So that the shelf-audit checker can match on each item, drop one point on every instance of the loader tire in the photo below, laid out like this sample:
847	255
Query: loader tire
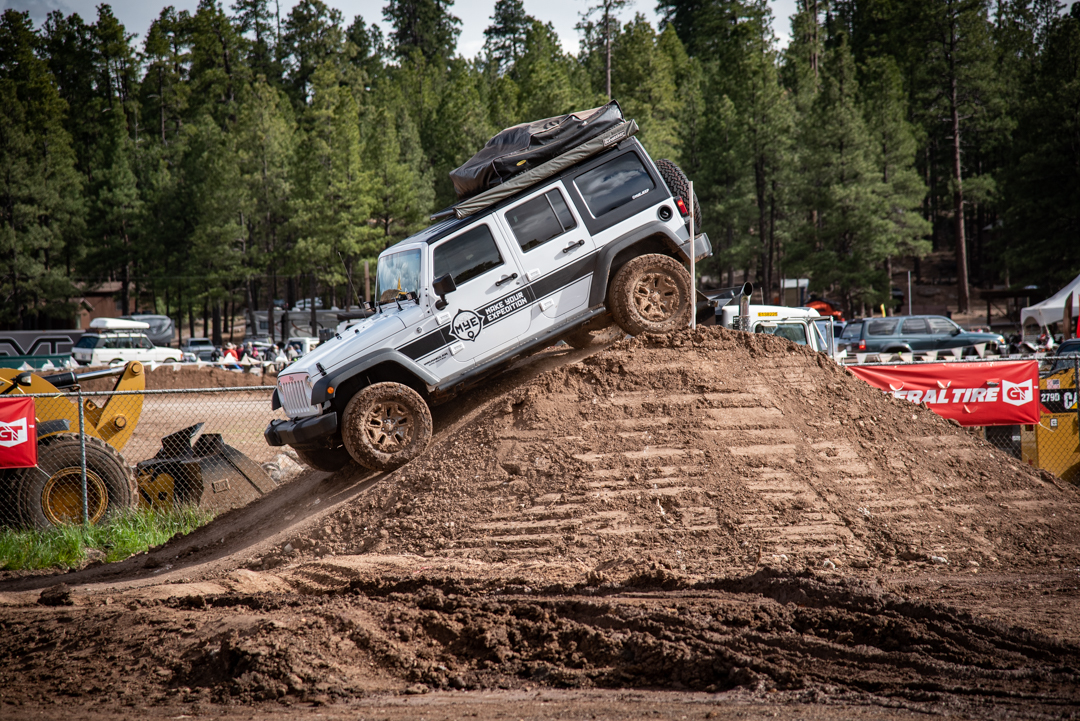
322	458
651	294
679	185
386	425
51	493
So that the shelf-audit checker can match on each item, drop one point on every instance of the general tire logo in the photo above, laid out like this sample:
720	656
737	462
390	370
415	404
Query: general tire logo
466	325
1016	394
13	433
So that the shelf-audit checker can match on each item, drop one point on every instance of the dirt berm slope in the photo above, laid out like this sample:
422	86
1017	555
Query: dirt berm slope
704	452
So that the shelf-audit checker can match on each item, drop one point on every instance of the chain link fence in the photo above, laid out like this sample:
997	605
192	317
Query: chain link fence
1054	443
101	452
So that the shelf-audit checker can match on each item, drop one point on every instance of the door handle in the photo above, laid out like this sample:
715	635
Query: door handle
570	247
505	279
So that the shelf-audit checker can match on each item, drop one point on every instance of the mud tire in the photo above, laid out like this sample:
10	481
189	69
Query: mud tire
651	294
386	425
323	458
679	185
50	494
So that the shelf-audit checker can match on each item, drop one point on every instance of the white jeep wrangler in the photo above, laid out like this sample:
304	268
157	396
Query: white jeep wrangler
597	239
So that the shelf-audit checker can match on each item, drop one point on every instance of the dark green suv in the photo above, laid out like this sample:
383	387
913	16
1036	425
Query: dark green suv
914	333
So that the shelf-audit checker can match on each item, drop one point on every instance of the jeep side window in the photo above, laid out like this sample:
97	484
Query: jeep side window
613	184
467	256
540	219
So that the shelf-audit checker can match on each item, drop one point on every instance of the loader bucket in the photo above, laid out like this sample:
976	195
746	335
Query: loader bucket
209	474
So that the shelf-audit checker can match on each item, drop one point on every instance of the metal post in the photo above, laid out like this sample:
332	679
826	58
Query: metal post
693	272
908	292
82	457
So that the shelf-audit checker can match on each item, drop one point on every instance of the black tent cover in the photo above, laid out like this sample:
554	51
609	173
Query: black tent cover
528	145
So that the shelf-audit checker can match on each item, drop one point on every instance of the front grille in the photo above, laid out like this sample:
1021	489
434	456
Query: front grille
296	396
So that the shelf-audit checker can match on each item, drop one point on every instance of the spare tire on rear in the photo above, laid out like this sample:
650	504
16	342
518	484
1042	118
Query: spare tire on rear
679	185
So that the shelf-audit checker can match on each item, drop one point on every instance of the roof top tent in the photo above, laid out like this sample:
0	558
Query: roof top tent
118	324
525	154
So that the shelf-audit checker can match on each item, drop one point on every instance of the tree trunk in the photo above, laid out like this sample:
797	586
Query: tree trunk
217	323
314	319
206	318
962	293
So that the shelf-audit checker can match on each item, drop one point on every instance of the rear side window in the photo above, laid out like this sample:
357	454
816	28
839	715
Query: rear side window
467	256
914	326
941	326
851	330
614	184
881	326
90	341
540	219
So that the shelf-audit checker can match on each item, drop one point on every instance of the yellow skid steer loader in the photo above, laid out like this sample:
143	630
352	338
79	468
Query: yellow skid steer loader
50	494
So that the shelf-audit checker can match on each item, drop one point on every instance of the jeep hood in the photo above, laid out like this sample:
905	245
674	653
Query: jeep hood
357	339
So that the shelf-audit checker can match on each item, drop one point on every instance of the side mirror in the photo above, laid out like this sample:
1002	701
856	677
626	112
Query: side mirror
443	284
956	331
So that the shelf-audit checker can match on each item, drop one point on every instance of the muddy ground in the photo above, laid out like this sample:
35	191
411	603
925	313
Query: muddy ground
709	526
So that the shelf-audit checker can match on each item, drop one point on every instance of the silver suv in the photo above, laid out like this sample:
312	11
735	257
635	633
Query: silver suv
603	240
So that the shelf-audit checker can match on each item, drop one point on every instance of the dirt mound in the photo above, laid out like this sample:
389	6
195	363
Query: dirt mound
188	376
705	452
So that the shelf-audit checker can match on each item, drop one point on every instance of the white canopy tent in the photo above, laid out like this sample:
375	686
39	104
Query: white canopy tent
1052	310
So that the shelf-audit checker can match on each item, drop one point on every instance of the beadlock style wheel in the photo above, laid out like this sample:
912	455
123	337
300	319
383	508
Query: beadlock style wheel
386	425
651	294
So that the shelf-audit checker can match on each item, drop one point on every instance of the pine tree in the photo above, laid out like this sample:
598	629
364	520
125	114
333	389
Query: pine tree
403	192
504	39
424	26
849	226
646	89
602	31
313	36
40	191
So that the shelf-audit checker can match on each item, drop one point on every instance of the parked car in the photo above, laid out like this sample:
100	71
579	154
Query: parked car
305	304
112	340
905	334
1070	349
201	348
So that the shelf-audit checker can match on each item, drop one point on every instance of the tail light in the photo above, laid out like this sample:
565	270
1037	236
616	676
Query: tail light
862	345
681	205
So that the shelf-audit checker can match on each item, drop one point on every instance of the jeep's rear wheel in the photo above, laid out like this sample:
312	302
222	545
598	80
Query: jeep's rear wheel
651	294
679	185
386	425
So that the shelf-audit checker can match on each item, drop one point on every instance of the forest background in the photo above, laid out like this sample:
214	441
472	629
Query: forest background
235	156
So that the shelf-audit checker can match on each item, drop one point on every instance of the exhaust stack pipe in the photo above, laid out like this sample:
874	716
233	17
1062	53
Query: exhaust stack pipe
744	306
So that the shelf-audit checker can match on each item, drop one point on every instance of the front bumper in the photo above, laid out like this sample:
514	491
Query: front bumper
300	431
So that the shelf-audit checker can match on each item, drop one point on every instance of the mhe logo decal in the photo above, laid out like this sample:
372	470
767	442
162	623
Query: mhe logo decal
13	433
1016	394
466	325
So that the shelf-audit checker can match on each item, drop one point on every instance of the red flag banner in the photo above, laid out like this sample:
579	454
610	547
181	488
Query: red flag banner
975	394
18	433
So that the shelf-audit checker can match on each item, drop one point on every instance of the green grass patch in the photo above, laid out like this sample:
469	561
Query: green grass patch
125	533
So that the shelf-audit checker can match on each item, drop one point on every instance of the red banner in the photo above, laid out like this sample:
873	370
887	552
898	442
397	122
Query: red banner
18	433
975	394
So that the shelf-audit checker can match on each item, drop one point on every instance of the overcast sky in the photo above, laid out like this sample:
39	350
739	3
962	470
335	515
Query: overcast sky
136	15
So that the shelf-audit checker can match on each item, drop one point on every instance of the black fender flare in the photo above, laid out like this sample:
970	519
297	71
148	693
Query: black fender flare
898	349
604	259
337	377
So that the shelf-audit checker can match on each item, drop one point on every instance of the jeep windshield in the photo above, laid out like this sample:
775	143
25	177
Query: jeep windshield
397	274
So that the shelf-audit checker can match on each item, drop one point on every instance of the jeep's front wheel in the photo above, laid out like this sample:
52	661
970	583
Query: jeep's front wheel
651	294
386	425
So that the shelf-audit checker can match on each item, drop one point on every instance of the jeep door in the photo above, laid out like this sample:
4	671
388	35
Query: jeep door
556	251
489	309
